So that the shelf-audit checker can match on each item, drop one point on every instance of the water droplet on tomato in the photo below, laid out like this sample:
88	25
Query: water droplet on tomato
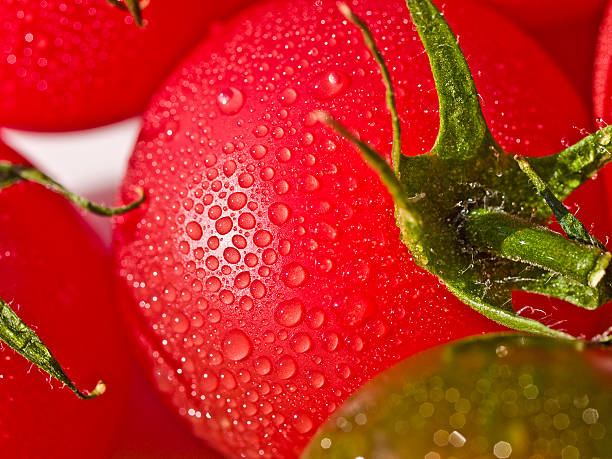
289	96
352	309
278	213
231	255
180	324
302	423
309	183
301	343
236	201
230	101
289	313
286	367
294	275
284	155
236	345
242	280
258	151
330	84
317	379
224	225
194	230
246	220
262	238
209	381
262	365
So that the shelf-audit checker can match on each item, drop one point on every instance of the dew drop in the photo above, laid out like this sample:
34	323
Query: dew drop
309	183
214	212
231	255
236	345
245	180
236	201
257	289
317	379
289	313
278	213
269	256
262	238
194	230
302	423
209	381
242	280
315	318
289	96
180	324
230	101
352	310
301	343
284	155
330	84
294	275
261	130
258	151
227	380
223	225
246	220
286	367
262	365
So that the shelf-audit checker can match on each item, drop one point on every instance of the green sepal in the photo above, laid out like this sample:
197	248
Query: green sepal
23	340
463	133
13	173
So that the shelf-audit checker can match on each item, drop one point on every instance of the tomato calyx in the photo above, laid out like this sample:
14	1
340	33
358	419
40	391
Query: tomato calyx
13	331
467	210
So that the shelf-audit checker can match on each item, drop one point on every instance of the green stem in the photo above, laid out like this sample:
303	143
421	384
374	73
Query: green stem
16	334
13	173
514	239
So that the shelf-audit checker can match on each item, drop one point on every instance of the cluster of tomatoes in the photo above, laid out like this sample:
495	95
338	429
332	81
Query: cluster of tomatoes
263	281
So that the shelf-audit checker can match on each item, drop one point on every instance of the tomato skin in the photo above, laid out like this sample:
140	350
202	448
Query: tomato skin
71	64
265	270
602	79
564	28
56	276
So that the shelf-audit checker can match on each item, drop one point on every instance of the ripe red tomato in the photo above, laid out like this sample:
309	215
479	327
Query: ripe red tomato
265	276
56	276
70	64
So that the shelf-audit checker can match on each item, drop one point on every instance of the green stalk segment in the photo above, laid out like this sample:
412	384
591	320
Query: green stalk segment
21	338
515	239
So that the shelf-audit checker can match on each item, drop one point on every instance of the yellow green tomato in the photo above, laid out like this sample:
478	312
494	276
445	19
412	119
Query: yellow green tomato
500	396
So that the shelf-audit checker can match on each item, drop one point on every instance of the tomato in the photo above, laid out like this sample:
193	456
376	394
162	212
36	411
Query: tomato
566	29
265	277
501	396
56	276
70	64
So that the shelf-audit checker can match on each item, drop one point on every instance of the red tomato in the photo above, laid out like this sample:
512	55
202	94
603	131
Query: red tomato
566	29
70	64
602	79
56	276
266	278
